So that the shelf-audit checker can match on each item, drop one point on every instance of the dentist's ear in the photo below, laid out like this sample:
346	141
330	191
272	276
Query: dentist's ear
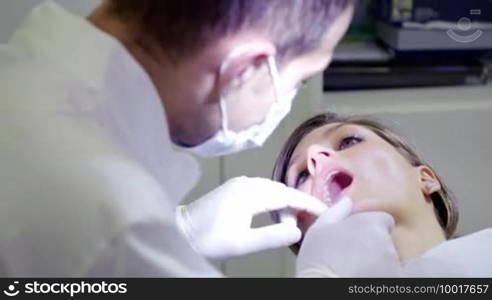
242	62
429	183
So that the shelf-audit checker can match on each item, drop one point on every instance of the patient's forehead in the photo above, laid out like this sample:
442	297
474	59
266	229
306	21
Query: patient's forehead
322	132
325	132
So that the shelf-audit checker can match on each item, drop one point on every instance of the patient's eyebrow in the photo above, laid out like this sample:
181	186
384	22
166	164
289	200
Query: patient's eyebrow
331	130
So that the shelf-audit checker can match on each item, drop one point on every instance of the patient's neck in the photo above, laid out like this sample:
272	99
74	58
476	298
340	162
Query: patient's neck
413	238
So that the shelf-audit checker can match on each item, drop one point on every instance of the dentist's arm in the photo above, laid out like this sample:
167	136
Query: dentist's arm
218	225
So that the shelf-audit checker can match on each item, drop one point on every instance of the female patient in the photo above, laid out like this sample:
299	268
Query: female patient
330	157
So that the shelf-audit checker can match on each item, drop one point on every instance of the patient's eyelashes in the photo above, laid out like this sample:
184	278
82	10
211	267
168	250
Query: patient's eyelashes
301	178
349	141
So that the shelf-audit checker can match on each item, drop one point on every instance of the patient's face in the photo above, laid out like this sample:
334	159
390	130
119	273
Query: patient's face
350	160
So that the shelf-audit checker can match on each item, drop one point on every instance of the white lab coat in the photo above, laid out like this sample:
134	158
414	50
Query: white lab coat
88	175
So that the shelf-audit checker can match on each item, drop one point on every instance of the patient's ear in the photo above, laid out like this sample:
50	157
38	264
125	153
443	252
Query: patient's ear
429	183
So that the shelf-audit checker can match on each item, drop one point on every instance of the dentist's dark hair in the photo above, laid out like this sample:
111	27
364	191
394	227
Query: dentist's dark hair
444	202
181	27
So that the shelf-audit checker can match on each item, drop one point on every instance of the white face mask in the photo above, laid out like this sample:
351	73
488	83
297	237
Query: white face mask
226	141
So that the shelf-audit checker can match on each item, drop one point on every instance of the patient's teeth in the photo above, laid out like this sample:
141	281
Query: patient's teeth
326	195
326	191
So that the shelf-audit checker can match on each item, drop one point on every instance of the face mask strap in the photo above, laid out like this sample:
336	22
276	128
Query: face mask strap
272	66
223	112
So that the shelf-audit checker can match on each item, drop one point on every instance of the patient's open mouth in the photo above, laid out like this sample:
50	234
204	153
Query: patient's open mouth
336	182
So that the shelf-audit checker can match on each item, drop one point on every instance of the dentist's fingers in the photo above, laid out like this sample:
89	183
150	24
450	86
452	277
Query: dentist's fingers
274	196
304	202
294	200
336	213
290	198
382	219
288	216
275	236
337	247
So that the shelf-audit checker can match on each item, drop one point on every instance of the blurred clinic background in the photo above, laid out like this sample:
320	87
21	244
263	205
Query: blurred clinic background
420	66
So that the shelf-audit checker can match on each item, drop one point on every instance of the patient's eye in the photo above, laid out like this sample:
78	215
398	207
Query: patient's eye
349	142
301	178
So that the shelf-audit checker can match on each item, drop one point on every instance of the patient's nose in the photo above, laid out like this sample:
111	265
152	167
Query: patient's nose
317	157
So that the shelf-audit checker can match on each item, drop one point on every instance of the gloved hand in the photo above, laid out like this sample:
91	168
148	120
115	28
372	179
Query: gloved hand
358	246
361	246
218	225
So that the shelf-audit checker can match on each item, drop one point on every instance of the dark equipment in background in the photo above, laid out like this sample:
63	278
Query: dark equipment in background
414	43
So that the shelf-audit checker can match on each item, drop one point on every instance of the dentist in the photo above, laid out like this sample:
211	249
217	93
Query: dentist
97	114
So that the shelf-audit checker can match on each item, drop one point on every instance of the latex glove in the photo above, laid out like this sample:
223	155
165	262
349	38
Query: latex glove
218	225
358	246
